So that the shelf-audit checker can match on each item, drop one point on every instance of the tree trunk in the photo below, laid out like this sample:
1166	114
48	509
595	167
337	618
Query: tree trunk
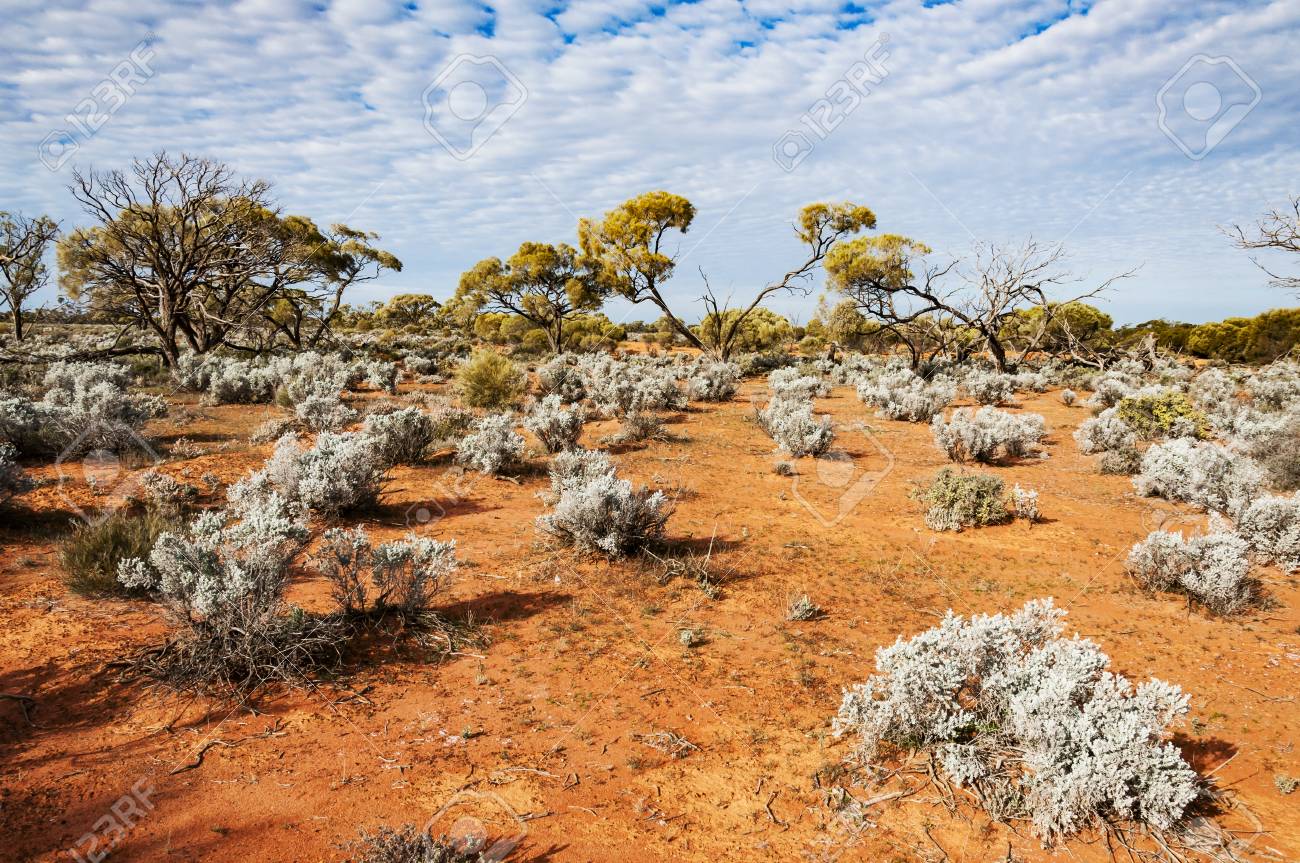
18	322
999	353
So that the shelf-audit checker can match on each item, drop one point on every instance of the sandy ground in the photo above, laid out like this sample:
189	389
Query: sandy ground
542	732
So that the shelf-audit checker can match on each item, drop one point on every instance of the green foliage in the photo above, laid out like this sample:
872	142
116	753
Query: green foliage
1260	339
1078	321
405	310
489	380
959	499
1160	416
91	554
761	330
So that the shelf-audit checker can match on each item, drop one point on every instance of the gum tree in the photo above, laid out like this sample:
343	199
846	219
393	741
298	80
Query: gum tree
23	243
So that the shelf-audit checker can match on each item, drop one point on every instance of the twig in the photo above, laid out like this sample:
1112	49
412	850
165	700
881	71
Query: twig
768	807
25	703
1266	697
273	731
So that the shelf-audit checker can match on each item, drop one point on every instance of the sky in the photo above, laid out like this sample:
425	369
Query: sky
1128	130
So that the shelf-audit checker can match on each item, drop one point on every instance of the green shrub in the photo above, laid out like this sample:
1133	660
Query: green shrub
91	554
489	380
1169	414
959	500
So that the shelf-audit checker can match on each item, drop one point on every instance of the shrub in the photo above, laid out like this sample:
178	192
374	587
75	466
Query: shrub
489	380
752	365
989	388
1212	569
493	446
638	426
1104	432
901	395
1109	390
791	384
320	412
402	436
1271	525
1122	462
791	424
450	423
1167	414
1068	397
1275	387
597	511
802	608
714	382
342	471
1205	474
1024	503
986	434
619	388
271	430
960	500
410	845
382	376
556	426
1275	451
222	579
91	555
404	576
12	478
1035	723
559	377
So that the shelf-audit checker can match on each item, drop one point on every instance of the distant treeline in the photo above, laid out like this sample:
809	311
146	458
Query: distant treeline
1260	339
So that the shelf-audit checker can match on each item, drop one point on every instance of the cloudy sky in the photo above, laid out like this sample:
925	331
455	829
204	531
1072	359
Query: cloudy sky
459	129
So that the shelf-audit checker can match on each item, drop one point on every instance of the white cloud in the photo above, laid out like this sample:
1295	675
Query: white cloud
998	119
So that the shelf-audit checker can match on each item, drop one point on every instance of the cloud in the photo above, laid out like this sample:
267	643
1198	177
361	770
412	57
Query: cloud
997	121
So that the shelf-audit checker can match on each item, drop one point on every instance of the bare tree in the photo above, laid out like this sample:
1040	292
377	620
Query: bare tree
880	275
1278	230
23	243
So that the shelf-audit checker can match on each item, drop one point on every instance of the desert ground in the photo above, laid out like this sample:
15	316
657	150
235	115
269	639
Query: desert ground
548	728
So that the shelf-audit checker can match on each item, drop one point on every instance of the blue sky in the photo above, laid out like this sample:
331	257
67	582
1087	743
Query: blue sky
982	121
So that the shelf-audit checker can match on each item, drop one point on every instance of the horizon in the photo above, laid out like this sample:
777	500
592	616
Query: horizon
979	121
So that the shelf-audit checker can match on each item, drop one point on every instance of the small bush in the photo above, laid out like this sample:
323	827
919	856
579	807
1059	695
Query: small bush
1068	397
91	555
901	395
556	426
990	388
396	576
1120	462
341	472
402	436
1034	723
1211	569
1277	452
1271	525
714	382
1104	433
489	380
411	845
320	412
493	446
559	377
1024	503
987	434
1168	414
1205	474
961	500
802	608
638	426
791	424
597	511
791	384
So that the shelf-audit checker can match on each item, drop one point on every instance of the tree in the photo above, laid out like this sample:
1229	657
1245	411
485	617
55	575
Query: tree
761	330
1278	230
1057	327
404	310
880	274
188	253
626	250
544	284
819	226
23	243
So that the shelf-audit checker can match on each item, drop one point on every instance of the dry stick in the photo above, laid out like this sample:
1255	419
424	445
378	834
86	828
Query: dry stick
25	703
203	750
1284	698
935	842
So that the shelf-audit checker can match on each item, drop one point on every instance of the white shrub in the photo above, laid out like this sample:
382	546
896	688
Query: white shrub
1275	387
1201	473
989	387
382	376
493	446
1068	397
1110	389
560	377
791	384
619	388
404	576
1103	433
342	471
1212	568
596	510
901	395
228	566
402	436
324	412
713	382
986	434
1024	503
556	426
1271	525
1036	722
790	423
